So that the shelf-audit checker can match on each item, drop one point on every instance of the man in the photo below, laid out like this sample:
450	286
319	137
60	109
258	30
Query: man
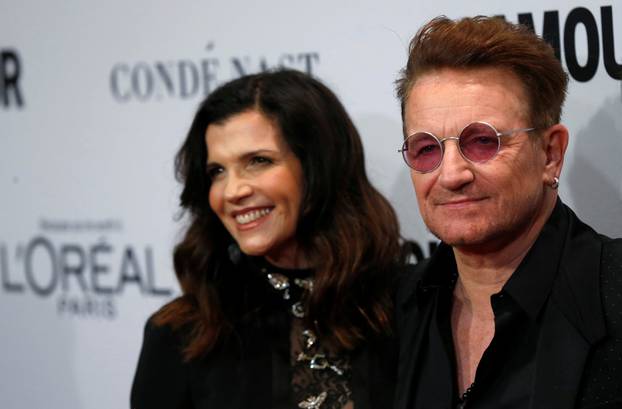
521	304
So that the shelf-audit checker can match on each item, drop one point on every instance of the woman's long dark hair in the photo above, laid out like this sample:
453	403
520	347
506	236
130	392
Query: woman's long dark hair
347	227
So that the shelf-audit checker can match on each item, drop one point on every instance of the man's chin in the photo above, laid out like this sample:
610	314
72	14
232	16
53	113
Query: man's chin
461	238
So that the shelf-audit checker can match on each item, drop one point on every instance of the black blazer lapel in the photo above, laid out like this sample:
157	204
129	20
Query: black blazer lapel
561	357
573	320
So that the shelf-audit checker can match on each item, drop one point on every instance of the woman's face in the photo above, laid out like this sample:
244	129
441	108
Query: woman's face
256	186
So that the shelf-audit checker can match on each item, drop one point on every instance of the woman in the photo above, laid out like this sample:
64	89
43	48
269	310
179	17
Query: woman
287	264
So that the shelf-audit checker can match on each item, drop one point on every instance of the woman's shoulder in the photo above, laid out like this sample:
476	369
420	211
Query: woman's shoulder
161	336
161	374
164	328
162	344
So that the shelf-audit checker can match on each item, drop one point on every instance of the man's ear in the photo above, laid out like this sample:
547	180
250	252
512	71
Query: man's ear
554	143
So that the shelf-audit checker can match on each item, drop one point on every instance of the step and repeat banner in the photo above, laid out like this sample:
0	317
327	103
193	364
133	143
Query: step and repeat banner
96	97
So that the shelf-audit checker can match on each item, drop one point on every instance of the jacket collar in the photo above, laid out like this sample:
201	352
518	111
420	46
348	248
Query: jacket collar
577	288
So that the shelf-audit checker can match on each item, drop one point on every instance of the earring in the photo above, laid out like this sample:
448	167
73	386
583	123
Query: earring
555	183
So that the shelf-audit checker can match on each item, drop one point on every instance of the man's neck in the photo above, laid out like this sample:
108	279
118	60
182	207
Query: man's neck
484	273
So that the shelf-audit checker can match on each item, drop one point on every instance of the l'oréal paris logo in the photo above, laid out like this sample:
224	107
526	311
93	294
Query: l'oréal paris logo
85	265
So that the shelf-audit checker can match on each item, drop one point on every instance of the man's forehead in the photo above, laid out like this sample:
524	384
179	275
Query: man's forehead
457	97
449	118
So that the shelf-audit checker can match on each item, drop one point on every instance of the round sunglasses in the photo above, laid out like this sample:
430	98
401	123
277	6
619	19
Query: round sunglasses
478	142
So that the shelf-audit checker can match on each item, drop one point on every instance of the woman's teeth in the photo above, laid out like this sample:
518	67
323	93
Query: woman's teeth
251	216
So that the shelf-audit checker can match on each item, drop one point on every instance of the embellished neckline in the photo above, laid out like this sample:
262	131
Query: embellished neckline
286	282
294	287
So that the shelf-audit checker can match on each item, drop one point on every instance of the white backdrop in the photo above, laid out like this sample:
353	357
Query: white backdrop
96	97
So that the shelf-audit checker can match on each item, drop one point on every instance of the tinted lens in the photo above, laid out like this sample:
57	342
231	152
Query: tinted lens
479	142
422	152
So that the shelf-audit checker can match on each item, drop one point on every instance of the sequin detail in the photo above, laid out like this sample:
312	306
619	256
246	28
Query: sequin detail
320	377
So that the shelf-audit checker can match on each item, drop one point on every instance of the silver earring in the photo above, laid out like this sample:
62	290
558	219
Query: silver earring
555	183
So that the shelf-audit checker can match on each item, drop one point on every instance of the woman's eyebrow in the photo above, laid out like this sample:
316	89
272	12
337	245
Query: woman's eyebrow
247	155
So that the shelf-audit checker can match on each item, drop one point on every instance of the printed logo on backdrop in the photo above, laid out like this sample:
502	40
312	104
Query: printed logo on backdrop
84	266
582	26
146	81
10	72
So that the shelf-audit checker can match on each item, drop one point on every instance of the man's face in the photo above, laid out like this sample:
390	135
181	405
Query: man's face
477	206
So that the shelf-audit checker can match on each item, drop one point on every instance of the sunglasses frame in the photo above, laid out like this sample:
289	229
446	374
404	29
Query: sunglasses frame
441	141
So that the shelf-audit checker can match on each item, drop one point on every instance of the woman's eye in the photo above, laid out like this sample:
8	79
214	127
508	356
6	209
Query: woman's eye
214	171
260	160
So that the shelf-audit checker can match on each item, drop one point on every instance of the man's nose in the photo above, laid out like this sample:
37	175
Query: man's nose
455	170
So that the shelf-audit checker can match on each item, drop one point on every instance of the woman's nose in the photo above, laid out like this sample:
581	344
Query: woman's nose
237	188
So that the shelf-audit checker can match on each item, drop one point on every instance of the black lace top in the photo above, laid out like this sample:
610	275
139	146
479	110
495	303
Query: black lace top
320	376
